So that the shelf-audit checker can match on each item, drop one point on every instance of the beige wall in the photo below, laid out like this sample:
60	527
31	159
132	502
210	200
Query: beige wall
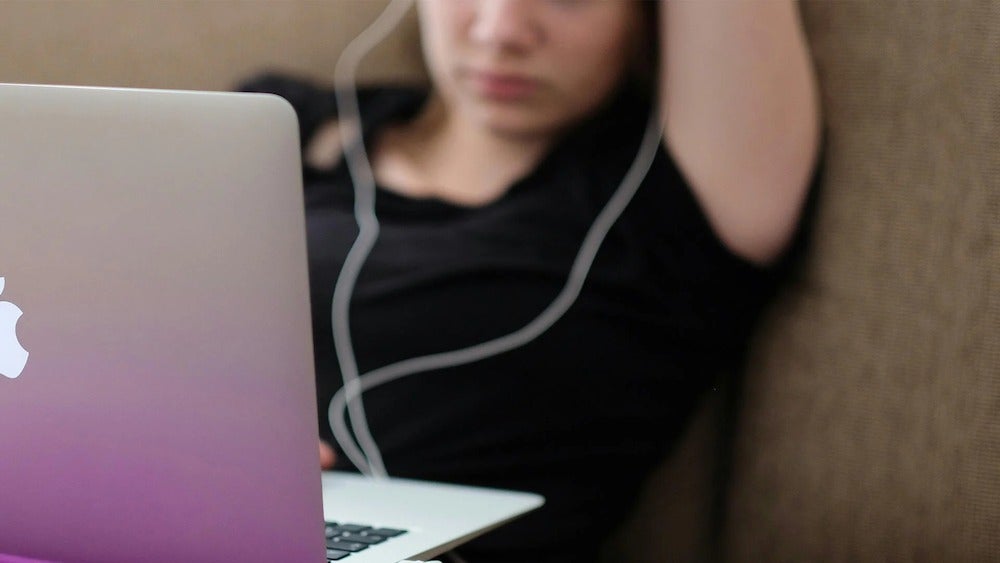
191	44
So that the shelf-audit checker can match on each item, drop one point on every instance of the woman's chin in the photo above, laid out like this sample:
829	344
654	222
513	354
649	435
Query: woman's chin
515	124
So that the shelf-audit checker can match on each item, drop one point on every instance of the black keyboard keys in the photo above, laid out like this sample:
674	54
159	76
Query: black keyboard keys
352	527
344	539
345	545
363	537
386	532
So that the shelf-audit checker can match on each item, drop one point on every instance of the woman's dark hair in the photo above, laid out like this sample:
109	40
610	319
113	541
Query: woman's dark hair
644	70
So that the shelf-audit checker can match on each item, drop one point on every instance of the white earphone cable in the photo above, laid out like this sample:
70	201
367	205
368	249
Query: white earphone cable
365	454
370	461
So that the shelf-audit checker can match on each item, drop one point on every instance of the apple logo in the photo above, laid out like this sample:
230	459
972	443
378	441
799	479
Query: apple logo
12	356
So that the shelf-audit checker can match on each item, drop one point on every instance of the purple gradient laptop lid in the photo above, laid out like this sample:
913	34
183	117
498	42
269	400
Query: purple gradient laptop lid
152	247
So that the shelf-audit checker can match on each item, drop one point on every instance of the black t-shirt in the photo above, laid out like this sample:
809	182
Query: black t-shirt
582	413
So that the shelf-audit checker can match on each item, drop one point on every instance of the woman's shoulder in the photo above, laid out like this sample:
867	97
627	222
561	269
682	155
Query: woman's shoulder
666	216
315	102
316	106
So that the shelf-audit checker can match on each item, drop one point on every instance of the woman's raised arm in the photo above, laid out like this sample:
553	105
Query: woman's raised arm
740	105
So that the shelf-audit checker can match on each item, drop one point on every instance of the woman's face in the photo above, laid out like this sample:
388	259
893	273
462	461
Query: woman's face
527	67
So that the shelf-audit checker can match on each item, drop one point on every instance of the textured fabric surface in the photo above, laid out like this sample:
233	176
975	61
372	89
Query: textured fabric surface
870	428
192	44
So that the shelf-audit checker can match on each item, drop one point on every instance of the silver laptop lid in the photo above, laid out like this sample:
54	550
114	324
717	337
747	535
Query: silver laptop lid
153	244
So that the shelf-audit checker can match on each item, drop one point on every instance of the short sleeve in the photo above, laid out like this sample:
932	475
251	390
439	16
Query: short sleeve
722	292
686	233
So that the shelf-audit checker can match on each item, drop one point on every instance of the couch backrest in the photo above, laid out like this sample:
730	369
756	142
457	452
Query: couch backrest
871	421
194	44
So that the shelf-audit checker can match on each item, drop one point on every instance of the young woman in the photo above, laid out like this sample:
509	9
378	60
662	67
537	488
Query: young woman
487	182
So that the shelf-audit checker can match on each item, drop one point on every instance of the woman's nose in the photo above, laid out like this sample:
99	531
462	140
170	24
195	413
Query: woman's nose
506	24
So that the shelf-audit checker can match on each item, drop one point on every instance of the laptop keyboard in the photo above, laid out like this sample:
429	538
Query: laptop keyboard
344	539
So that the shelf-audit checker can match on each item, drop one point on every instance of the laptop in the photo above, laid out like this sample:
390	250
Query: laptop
157	395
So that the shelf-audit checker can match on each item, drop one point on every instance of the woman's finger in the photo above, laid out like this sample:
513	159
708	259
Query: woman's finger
326	455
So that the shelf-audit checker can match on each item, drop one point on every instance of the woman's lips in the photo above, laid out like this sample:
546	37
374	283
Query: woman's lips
503	87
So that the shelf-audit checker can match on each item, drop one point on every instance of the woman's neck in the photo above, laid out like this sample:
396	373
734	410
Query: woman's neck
441	153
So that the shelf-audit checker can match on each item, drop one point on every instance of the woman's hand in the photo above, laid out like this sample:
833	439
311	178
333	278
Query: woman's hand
327	457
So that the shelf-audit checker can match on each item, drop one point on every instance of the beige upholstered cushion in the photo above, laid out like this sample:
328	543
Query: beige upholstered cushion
195	44
871	429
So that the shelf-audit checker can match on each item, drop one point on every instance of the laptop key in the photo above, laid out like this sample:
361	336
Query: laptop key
336	531
386	532
353	527
335	554
343	545
363	537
